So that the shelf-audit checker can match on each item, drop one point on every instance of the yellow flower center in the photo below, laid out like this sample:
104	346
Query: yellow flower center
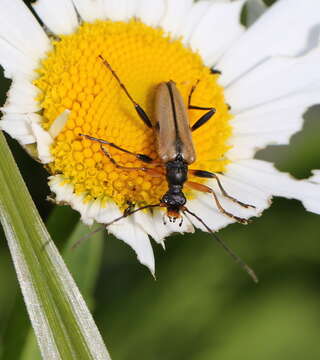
73	77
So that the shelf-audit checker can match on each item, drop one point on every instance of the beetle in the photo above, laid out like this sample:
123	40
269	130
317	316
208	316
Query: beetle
176	153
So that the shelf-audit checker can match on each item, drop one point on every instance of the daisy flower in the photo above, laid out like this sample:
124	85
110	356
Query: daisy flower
260	81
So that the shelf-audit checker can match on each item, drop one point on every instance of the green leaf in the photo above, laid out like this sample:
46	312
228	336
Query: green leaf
63	325
88	252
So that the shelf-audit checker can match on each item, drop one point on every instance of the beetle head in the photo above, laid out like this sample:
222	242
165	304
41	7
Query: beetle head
173	200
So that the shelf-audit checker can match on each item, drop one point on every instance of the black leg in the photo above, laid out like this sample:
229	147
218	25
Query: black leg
215	71
206	117
142	114
141	157
210	175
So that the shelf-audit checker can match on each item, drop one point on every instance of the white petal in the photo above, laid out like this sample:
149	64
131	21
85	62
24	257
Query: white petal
164	227
18	127
127	229
315	178
274	79
58	15
15	63
150	12
133	235
90	10
289	28
192	19
132	6
86	210
158	221
63	191
204	207
262	175
108	213
43	140
78	203
146	222
58	124
120	9
186	225
217	30
270	124
20	29
94	209
175	11
21	97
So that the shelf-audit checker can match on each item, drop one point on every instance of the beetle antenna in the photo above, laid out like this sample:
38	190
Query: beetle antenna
235	257
104	226
142	114
86	236
107	64
128	213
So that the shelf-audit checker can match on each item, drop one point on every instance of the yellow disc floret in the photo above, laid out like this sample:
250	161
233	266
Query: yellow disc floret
73	77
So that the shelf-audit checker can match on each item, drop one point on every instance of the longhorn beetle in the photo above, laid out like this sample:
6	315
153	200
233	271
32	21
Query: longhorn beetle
176	152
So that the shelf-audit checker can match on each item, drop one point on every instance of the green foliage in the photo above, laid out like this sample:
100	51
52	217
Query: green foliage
62	323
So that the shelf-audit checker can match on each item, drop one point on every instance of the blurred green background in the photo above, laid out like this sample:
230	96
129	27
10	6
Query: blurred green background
202	306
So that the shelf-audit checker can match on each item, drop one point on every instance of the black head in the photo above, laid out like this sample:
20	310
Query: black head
173	200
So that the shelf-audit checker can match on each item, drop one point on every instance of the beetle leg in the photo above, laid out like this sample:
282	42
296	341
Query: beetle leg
210	175
204	118
207	189
142	157
150	171
142	114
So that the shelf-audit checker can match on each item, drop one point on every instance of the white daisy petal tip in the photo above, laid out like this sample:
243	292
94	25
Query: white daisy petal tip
134	236
271	182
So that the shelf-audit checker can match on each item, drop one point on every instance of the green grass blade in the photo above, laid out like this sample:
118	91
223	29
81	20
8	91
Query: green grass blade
63	325
89	253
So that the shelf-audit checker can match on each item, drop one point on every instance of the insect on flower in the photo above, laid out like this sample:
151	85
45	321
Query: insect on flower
176	152
61	88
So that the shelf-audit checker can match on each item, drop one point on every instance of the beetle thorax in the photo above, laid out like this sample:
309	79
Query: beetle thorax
176	171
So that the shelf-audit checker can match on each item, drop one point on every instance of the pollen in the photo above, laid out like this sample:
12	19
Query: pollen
72	77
